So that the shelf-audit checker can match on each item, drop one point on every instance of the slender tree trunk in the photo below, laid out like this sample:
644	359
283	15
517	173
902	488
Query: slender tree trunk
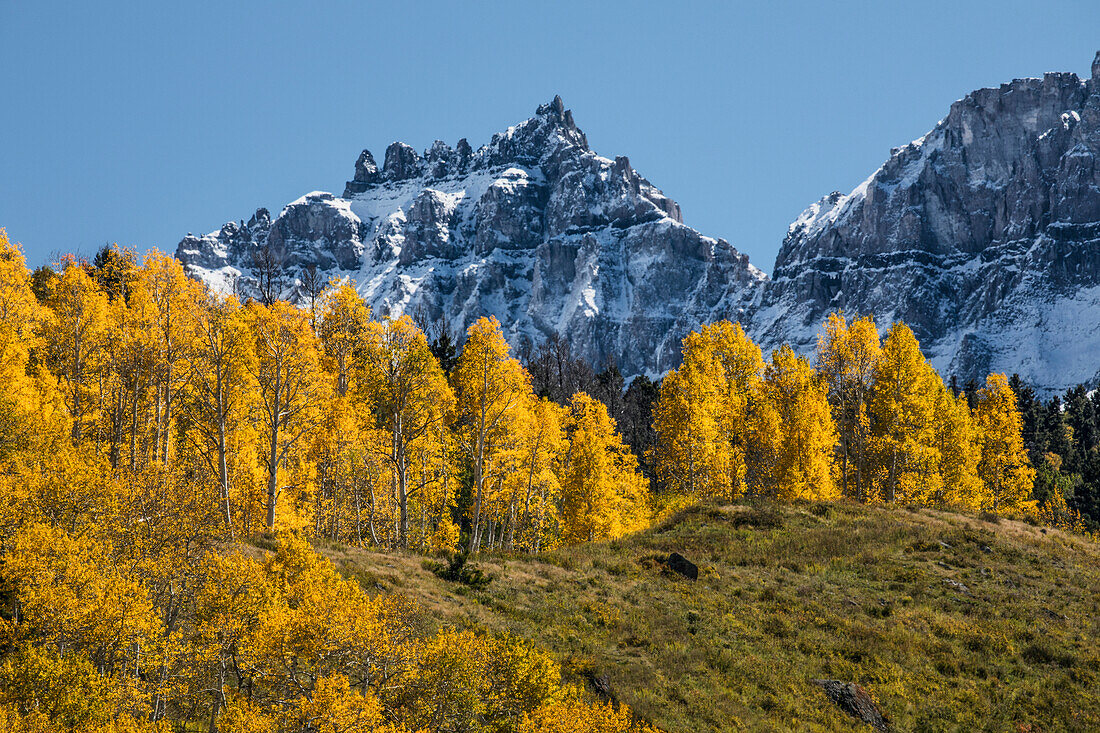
479	478
273	450
167	410
400	466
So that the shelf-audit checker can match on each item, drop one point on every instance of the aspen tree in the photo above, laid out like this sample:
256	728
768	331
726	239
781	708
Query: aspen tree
603	495
490	387
410	397
172	296
342	327
959	448
19	314
1004	467
75	334
218	385
533	487
846	358
902	409
702	415
805	434
287	372
128	375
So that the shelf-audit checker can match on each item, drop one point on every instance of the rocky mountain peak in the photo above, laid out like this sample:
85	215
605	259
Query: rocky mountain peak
366	174
983	236
533	228
557	114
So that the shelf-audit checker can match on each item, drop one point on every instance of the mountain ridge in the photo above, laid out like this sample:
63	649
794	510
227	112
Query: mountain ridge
533	227
983	235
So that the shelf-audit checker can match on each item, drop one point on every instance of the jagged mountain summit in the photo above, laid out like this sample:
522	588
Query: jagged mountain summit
983	235
533	228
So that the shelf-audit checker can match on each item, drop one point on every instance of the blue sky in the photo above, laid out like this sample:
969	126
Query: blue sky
138	122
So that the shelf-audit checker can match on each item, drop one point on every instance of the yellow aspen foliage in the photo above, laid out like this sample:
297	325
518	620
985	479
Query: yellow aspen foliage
959	448
1004	468
287	371
444	539
411	399
126	387
172	296
603	495
336	708
901	407
802	429
335	448
242	716
530	483
740	365
463	681
74	598
573	715
344	321
491	387
217	390
19	310
75	335
13	721
702	415
19	314
54	689
846	358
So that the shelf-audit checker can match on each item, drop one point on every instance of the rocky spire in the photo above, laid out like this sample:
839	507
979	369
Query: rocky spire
1096	67
402	162
366	175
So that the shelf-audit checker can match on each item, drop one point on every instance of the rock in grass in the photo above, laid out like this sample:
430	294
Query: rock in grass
680	564
856	701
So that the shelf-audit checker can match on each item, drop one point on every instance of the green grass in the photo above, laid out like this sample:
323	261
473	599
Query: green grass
951	622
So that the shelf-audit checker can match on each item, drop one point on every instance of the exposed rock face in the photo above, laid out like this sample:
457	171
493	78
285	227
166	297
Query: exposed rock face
983	236
856	701
533	228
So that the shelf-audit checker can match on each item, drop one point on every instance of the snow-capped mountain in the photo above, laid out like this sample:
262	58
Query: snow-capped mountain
983	236
534	228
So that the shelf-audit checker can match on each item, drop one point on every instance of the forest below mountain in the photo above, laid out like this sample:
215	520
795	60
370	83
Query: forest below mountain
171	459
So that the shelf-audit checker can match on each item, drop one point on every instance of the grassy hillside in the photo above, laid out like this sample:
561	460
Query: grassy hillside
950	621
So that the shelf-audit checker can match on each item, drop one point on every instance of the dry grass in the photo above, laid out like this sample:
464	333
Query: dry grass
952	622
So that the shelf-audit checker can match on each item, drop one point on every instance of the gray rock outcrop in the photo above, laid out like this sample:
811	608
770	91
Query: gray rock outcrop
983	236
533	228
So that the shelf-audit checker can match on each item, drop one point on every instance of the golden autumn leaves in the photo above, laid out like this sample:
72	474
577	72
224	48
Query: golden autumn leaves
328	420
146	423
872	421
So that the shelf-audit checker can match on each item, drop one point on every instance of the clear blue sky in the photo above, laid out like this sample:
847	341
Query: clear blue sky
138	122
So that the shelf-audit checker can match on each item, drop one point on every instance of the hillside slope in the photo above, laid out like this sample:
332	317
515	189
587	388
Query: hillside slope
951	622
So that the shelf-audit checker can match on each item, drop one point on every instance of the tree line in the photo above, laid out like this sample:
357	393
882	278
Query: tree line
146	424
869	419
323	418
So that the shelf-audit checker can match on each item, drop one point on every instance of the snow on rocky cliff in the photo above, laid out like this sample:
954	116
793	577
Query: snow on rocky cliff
983	236
533	228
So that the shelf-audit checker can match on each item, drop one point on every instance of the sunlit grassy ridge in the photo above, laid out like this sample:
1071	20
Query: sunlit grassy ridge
950	621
